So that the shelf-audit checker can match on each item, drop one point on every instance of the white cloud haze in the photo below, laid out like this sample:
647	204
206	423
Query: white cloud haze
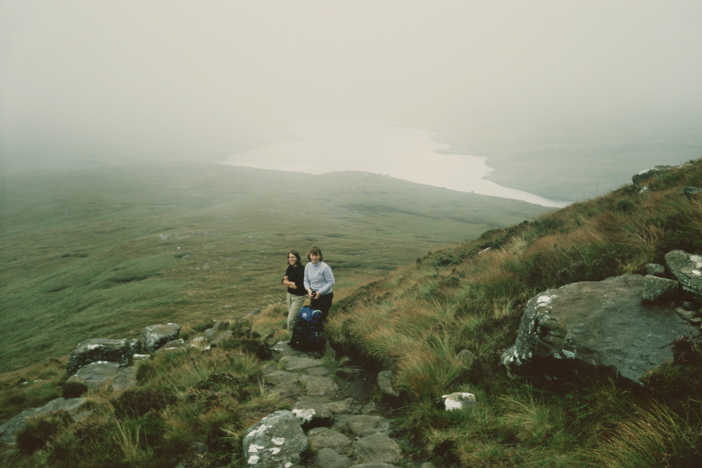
211	79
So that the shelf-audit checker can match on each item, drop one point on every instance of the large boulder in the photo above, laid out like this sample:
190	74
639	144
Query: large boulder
275	441
687	269
155	336
603	325
101	349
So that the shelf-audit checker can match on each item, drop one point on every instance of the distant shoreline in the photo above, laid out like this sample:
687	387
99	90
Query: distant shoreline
412	154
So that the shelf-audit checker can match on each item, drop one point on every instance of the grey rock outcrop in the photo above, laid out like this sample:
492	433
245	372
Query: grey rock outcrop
657	289
9	430
275	441
312	412
101	349
155	336
643	176
96	375
687	269
601	324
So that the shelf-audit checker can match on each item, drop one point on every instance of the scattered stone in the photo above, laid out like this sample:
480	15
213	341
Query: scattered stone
692	193
348	372
348	405
312	412
385	383
174	345
319	371
369	408
275	441
318	386
364	425
125	380
687	269
218	326
466	356
292	363
377	448
323	437
155	336
328	458
9	429
688	315
458	400
648	173
96	375
101	349
657	289
655	269
280	377
284	349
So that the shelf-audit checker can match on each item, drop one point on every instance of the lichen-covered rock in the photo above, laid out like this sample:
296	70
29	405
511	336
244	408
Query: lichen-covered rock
101	349
602	324
275	441
658	289
687	269
155	336
312	412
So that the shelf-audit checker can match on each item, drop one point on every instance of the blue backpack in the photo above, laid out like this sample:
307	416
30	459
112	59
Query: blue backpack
306	334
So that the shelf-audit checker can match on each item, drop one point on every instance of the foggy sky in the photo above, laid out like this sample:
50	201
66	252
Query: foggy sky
208	79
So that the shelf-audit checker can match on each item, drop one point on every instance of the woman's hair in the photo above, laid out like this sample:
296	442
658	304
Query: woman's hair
297	255
315	250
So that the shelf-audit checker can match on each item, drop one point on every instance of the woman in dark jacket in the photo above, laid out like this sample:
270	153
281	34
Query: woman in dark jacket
294	280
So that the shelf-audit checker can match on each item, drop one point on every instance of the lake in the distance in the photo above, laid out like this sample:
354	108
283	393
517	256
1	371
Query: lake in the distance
323	146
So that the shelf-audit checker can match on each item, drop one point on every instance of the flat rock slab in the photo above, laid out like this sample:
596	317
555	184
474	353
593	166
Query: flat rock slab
323	437
364	425
319	386
328	458
293	363
378	448
96	375
126	379
284	349
280	377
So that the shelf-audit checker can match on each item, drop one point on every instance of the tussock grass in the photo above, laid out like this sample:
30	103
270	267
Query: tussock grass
652	435
471	297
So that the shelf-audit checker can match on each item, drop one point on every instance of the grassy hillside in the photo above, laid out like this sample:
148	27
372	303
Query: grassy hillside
104	252
415	320
471	297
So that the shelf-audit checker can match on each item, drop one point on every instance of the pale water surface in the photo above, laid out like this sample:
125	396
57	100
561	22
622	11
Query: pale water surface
330	145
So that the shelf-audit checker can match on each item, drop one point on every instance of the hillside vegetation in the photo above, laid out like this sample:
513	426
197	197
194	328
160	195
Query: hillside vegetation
102	253
471	297
415	319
